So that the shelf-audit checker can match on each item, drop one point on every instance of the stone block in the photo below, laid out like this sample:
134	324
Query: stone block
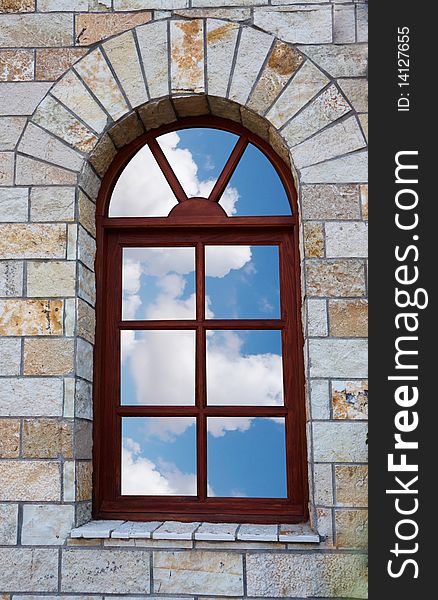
103	155
11	278
351	528
346	239
152	41
344	24
221	41
47	438
8	524
356	91
351	485
172	530
155	114
329	202
350	399
187	56
68	481
338	358
258	533
51	278
34	172
352	168
29	570
314	242
10	130
364	201
45	524
36	30
86	321
231	14
216	531
83	439
191	106
14	205
94	27
6	168
51	63
21	98
97	529
87	285
135	530
323	484
83	400
348	318
52	203
16	65
362	22
335	278
225	109
339	60
32	397
30	317
17	6
339	442
9	438
297	25
126	130
320	399
63	5
142	4
317	325
29	480
10	356
84	472
87	248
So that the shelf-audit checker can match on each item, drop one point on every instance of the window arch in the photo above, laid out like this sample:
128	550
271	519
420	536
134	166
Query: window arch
199	386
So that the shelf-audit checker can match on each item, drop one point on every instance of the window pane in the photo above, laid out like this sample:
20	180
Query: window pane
244	368
142	190
159	456
158	283
256	188
246	457
158	367
242	282
197	157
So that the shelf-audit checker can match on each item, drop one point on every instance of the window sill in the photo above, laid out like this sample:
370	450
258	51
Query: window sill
206	532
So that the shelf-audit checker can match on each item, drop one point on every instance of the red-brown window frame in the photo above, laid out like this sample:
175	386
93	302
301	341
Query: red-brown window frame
195	224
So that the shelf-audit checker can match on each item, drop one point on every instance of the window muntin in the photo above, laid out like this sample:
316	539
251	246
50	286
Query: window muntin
268	338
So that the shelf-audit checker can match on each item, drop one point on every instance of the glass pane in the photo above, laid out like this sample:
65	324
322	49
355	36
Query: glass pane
157	367
159	456
242	282
256	187
197	157
142	190
158	283
244	368
246	457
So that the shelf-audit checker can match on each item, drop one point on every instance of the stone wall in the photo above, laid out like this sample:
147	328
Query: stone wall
293	72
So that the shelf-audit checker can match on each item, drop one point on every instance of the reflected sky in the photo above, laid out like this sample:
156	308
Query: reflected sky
159	456
244	368
246	457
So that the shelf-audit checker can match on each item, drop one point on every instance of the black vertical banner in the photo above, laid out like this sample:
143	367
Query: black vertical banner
403	434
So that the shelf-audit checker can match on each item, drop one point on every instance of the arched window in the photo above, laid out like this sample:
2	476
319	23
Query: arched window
199	410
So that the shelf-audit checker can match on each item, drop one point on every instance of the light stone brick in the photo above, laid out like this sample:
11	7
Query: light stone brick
142	4
63	5
36	30
30	317
32	241
326	108
339	442
9	438
46	525
92	28
216	531
14	205
51	278
344	24
317	325
8	524
340	60
351	485
221	41
69	397
29	570
347	169
307	82
323	484
72	92
346	239
330	202
325	525
338	358
233	14
84	359
363	119
11	278
6	168
198	572
258	533
29	480
348	318
229	2
134	530
32	397
89	182
350	399
335	278
351	528
126	130
10	356
83	400
364	201
87	248
51	63
72	242
87	214
298	533
86	321
10	130
152	41
356	91
16	65
320	399
122	54
69	482
187	56
314	243
251	54
52	204
35	172
103	155
87	285
306	575
105	571
69	317
303	25
362	23
21	98
48	356
172	530
51	115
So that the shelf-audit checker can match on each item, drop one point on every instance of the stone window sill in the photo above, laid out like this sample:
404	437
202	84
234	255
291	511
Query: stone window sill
208	532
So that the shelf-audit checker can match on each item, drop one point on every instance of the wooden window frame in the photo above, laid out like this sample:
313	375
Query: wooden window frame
195	223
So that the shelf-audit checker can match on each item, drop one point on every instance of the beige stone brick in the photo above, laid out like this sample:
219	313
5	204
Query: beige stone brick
338	357
330	202
83	435
86	321
11	278
84	359
298	25
109	571
83	400
229	2
8	523
351	485
335	278
32	241
87	285
84	473
35	172
340	442
21	97
16	65
14	205
221	42
10	130
36	30
348	318
152	41
187	56
47	438
198	573
87	248
16	6
103	155
363	119
48	356
51	278
9	438
92	28
232	14
350	399
191	106
282	63
225	109
351	528
29	480
32	397
352	168
45	524
87	214
126	130
255	123
155	114
34	569
339	60
51	63
364	201
356	91
6	168
40	144
52	203
323	484
314	240
142	4
30	317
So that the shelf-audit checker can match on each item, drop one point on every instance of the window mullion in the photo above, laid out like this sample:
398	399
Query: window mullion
201	400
